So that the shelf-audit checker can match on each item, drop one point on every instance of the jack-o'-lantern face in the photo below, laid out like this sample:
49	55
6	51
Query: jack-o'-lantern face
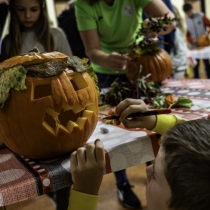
53	116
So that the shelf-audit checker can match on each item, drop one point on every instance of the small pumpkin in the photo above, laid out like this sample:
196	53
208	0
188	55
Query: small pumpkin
158	64
147	58
203	41
53	115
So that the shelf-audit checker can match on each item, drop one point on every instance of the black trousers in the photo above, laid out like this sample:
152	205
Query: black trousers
61	198
207	68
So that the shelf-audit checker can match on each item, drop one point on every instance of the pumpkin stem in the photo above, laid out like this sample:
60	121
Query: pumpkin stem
32	52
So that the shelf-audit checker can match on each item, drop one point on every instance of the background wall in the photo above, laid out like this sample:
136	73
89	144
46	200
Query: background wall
207	7
179	4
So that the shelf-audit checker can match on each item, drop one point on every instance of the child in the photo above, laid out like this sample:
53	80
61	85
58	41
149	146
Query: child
172	182
30	27
196	24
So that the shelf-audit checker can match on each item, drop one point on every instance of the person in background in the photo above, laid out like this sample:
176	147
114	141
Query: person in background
107	28
196	26
67	22
170	37
178	51
30	27
172	182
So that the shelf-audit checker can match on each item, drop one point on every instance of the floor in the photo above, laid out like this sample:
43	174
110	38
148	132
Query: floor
108	197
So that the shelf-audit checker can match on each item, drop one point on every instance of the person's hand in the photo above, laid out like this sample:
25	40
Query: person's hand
4	2
129	106
87	168
117	62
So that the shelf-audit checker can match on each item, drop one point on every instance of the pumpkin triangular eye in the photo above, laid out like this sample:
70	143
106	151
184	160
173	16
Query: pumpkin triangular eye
42	90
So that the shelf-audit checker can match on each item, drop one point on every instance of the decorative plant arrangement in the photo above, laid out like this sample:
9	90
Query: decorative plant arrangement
48	103
122	90
148	54
149	91
149	66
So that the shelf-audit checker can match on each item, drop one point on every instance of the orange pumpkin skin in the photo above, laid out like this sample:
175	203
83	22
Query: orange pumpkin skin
52	117
203	41
34	59
159	64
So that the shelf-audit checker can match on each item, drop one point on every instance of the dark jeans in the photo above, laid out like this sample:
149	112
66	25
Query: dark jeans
105	80
207	68
61	198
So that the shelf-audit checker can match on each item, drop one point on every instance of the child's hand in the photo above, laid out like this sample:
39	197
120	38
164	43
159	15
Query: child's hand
129	106
87	168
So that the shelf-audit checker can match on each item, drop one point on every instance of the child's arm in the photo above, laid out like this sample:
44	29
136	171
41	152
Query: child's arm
159	124
87	169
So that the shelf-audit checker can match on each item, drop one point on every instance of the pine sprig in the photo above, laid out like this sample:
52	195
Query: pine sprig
154	25
141	88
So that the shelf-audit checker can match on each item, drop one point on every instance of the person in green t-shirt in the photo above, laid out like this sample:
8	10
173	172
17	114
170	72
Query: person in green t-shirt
107	28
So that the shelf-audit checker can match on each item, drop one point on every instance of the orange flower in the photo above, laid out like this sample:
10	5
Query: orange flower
111	111
170	99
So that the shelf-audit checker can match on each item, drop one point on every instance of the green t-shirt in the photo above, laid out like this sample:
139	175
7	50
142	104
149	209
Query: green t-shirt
117	24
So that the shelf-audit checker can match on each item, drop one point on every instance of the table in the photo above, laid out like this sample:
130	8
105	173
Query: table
22	178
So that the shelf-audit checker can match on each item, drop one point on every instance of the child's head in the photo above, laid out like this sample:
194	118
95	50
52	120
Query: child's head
29	15
182	169
188	9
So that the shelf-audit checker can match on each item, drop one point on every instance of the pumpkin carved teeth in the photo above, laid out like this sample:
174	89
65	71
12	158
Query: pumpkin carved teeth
71	127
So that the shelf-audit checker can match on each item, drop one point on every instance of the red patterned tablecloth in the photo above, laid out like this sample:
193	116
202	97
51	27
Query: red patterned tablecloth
22	178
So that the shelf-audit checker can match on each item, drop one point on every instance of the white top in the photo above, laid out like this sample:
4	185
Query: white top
30	41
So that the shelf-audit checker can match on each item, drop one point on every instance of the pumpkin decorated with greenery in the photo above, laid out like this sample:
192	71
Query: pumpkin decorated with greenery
49	104
146	56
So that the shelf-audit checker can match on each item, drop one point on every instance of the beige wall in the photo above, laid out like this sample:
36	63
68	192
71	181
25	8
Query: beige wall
60	6
207	4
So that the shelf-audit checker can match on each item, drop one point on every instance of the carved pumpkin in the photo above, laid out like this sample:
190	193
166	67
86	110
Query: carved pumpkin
54	115
203	41
158	63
